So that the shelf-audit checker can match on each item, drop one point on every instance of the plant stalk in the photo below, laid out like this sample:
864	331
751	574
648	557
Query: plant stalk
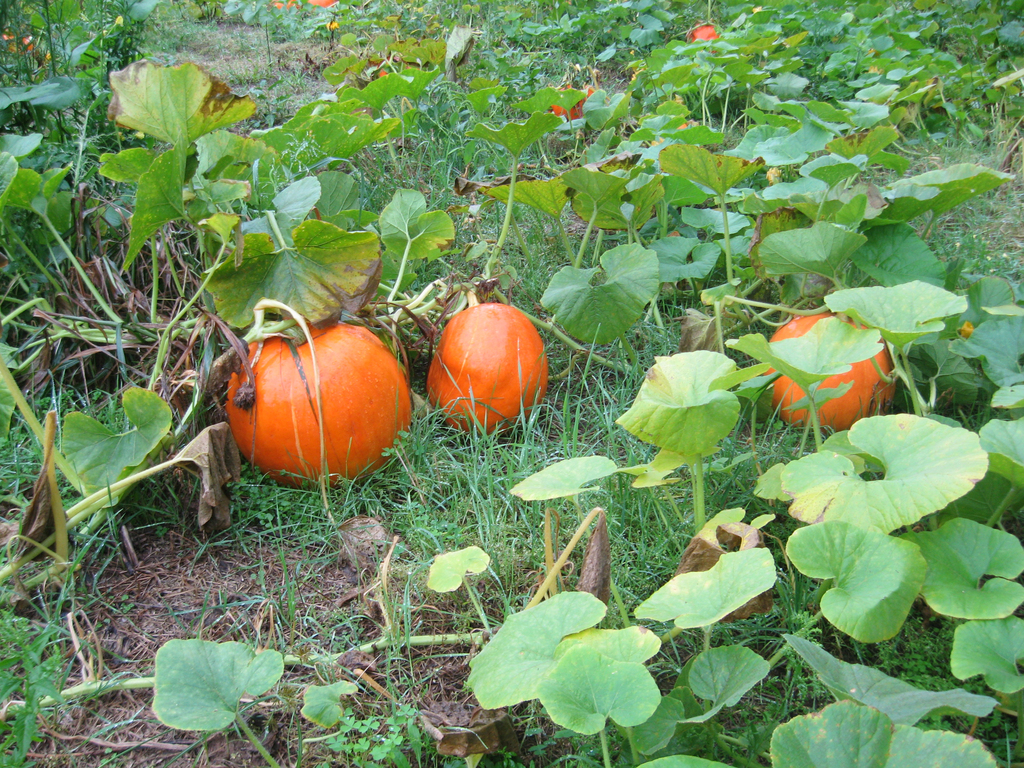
697	478
604	749
560	562
255	741
727	243
492	262
578	261
474	598
401	271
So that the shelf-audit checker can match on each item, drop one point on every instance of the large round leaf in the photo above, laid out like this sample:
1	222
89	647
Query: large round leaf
684	761
406	227
568	477
902	313
99	455
824	249
682	405
515	137
900	701
896	254
843	735
927	465
718	172
875	577
830	347
173	104
327	271
510	667
198	684
848	735
722	675
601	313
699	598
635	644
585	688
1004	441
959	555
990	648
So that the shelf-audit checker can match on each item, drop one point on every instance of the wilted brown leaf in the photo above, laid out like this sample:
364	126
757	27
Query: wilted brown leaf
697	332
214	454
705	549
462	730
596	571
362	537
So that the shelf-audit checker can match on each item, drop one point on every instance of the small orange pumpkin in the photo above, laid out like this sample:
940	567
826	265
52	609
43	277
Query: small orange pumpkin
868	395
702	32
489	368
365	399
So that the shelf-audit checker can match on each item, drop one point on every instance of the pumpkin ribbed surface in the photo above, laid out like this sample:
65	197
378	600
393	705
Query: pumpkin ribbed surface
868	395
489	367
365	400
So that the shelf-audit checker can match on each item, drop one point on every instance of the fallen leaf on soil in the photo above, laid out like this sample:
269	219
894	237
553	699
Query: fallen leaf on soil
473	730
697	332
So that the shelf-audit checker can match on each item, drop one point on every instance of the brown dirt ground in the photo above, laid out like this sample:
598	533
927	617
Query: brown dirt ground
184	588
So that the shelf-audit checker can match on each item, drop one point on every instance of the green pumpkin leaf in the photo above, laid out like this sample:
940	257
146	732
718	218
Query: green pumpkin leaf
565	478
901	702
722	675
448	570
407	227
685	258
990	648
198	684
548	196
848	735
903	313
824	249
867	143
914	748
999	344
683	405
683	761
158	201
322	703
876	577
699	598
585	688
959	555
598	314
1009	397
546	98
327	270
409	83
895	254
7	404
315	135
717	172
1004	441
511	666
515	137
656	471
843	735
128	165
632	644
595	192
100	456
173	104
926	466
657	731
938	191
827	349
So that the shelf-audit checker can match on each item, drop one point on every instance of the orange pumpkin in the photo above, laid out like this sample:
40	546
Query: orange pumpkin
868	395
576	112
365	398
702	32
489	368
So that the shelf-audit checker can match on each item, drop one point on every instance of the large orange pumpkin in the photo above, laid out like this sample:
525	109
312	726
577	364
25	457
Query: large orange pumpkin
868	395
365	399
489	368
